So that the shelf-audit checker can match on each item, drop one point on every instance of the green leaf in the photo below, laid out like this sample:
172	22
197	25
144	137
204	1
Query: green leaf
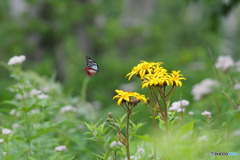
146	138
184	130
14	103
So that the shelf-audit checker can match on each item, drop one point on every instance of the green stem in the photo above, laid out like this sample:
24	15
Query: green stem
182	117
115	155
166	117
154	128
27	126
127	136
7	149
84	89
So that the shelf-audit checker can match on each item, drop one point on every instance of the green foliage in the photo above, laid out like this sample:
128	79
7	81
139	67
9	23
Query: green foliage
56	36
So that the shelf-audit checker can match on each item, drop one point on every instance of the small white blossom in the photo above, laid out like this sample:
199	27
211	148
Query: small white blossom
115	144
35	92
237	64
140	151
176	118
6	131
236	133
12	112
68	108
16	60
237	86
150	156
1	140
203	138
224	62
60	148
173	108
133	157
18	96
4	154
203	88
206	113
191	113
15	125
179	110
34	111
178	105
42	96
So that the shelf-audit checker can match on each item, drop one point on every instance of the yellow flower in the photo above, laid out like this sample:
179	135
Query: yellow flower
127	96
160	77
176	77
143	68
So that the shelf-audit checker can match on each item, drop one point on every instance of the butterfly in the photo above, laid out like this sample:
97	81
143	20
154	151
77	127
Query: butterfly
92	67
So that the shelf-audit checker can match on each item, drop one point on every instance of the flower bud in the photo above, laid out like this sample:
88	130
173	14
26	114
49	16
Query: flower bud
110	114
121	138
134	101
109	119
148	100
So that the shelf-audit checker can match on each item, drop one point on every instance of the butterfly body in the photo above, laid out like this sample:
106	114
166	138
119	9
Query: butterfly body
92	67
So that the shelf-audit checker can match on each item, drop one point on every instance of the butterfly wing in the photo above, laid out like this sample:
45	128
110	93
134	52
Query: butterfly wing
92	67
92	64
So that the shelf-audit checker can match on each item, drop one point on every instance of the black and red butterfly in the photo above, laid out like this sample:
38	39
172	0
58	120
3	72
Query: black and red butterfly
92	67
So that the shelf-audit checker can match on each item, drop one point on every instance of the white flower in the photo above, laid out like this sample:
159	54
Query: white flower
133	157
237	86
177	117
206	113
15	125
237	64
12	112
4	154
68	108
178	105
203	88
6	131
191	113
18	96
173	108
34	111
224	62
16	60
35	92
180	110
42	96
115	144
236	133
203	138
150	156
1	140
60	148
140	151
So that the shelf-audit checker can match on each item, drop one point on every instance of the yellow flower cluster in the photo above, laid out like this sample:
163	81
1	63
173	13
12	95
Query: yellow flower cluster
153	74
144	68
127	96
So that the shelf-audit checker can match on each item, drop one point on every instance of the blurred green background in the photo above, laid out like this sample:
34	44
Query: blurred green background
56	36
